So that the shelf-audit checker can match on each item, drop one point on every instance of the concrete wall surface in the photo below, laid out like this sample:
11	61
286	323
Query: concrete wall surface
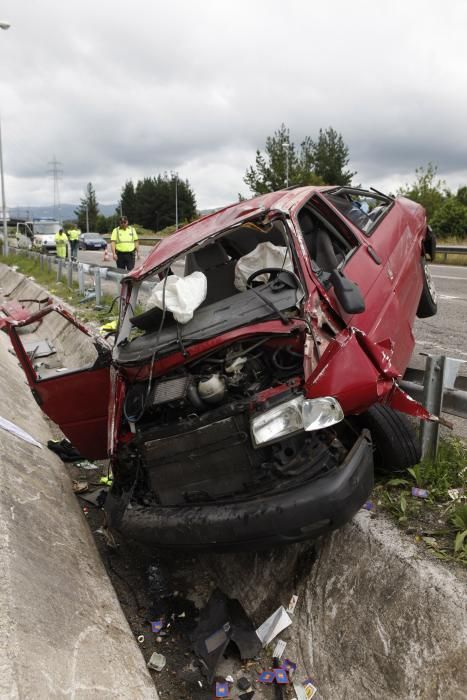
63	633
376	618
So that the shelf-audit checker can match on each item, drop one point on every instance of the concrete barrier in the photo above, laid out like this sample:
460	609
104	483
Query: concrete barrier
64	634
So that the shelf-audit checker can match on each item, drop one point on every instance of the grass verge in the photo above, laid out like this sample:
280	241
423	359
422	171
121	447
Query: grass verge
437	519
85	310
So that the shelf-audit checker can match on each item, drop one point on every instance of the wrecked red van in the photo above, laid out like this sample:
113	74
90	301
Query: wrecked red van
254	375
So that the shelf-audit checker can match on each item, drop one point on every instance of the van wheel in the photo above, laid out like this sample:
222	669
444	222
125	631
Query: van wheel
427	306
395	440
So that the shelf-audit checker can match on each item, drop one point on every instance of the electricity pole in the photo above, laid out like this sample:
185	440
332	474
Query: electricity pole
56	173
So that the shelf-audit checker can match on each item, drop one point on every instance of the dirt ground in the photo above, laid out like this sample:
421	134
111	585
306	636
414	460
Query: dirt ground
150	583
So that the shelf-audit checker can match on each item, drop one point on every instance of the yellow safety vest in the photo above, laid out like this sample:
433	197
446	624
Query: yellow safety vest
124	239
61	241
73	234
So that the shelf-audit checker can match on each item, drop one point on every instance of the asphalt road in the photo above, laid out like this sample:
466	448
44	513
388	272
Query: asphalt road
445	333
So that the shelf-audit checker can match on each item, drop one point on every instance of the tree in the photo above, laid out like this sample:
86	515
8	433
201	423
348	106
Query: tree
450	218
283	164
426	190
329	156
127	204
462	195
155	201
89	203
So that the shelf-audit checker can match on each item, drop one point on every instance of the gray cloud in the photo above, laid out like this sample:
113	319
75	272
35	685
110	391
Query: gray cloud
119	90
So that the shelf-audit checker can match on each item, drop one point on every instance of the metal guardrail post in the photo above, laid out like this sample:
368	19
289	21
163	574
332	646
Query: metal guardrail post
440	375
41	262
49	263
59	270
97	277
80	278
69	271
433	401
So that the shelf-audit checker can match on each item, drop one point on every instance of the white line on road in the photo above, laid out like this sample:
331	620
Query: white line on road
447	277
435	345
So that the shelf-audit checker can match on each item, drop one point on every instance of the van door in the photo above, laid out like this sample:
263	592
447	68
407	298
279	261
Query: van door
68	370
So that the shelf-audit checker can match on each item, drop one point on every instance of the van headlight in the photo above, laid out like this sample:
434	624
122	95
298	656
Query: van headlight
293	416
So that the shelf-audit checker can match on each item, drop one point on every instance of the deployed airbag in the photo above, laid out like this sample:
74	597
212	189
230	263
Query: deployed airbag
264	255
182	295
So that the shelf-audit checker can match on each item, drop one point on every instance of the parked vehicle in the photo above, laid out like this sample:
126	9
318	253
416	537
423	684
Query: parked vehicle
255	422
91	241
39	232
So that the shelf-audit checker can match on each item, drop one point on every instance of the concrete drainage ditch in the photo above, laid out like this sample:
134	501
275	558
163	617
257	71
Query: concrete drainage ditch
375	618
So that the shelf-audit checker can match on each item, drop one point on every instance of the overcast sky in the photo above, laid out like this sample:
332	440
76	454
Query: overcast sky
122	90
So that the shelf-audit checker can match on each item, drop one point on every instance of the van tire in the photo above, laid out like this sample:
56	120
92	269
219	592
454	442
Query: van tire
395	440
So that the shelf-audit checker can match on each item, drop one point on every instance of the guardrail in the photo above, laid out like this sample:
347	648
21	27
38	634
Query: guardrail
76	271
439	389
450	250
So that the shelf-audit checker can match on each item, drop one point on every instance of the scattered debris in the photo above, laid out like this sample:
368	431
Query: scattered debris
455	494
289	666
19	432
157	661
86	464
65	450
267	677
247	696
273	626
279	649
368	506
110	326
80	486
229	679
96	498
157	625
222	690
243	683
223	620
310	689
292	604
140	638
419	493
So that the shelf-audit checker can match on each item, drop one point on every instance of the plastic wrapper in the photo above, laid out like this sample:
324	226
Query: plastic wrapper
264	255
183	295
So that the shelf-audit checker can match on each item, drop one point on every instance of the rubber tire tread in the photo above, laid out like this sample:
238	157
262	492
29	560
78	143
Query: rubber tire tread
426	306
394	438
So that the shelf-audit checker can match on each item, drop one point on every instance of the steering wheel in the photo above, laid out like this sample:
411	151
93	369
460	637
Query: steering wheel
273	271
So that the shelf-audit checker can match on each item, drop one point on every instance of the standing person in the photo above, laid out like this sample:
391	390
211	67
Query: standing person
61	243
125	245
73	235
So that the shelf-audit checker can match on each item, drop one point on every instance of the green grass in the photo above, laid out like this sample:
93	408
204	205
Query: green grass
438	522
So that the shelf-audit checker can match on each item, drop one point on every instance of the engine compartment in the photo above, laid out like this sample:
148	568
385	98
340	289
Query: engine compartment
192	427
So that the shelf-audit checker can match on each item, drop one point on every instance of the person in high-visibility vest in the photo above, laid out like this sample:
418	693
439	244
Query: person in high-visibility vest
73	235
61	243
125	245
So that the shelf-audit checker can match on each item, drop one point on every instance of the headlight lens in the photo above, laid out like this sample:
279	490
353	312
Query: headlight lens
294	416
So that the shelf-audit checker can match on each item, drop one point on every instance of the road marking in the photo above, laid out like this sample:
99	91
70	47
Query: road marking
448	352
448	297
447	277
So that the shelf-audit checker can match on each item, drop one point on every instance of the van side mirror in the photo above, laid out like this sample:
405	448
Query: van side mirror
347	293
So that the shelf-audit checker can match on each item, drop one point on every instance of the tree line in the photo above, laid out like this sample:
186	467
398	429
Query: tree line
154	203
323	160
446	211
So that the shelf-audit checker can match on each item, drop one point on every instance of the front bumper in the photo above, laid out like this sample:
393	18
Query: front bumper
301	513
